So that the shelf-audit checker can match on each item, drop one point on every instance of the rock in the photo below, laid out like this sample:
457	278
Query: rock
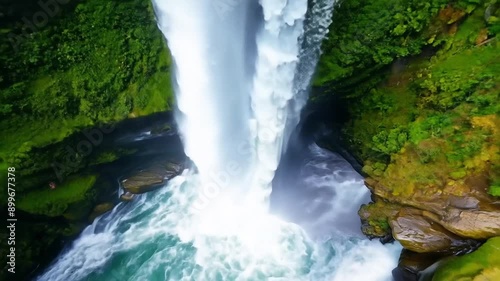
417	262
444	220
160	129
375	219
417	233
100	210
482	36
127	196
151	178
474	224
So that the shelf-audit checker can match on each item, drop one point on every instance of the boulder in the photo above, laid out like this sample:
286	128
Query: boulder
419	234
411	265
481	265
160	129
152	177
447	219
100	210
127	196
476	224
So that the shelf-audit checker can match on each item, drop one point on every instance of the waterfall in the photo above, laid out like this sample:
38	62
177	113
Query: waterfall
242	72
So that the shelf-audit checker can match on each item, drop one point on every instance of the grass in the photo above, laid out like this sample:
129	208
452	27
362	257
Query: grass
54	202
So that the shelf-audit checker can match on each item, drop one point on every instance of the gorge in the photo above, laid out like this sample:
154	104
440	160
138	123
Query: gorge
236	110
270	97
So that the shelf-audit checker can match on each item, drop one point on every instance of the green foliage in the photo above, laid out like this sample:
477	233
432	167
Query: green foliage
54	202
451	82
390	141
494	189
95	62
366	35
436	119
376	168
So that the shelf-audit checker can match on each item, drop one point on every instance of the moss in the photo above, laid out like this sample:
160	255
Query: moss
105	157
375	218
55	202
494	189
483	264
78	211
434	121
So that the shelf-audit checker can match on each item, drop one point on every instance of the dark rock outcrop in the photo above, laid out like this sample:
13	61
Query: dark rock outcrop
152	177
100	210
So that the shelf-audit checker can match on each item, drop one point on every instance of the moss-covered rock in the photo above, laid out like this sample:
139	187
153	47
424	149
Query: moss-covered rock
481	265
440	221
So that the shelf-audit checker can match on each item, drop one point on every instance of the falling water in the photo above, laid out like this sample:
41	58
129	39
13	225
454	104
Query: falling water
242	71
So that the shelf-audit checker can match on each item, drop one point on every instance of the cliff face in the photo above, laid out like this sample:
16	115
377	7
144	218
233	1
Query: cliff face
422	87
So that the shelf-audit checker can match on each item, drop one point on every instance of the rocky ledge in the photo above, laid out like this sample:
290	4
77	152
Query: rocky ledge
454	219
150	178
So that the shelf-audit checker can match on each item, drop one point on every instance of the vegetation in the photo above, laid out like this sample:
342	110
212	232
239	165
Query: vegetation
88	63
365	36
440	107
93	62
421	81
483	264
54	202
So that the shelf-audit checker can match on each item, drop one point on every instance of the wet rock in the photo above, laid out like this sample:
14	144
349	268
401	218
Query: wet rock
417	262
161	129
127	196
151	178
416	266
474	224
443	220
100	210
419	234
375	219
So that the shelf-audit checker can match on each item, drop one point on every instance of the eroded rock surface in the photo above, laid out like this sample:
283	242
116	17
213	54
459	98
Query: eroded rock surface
152	177
439	221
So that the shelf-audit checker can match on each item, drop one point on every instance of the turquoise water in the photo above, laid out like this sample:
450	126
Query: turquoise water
159	237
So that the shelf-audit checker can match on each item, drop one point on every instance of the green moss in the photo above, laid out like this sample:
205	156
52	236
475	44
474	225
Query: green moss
483	264
54	202
494	189
375	218
434	121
